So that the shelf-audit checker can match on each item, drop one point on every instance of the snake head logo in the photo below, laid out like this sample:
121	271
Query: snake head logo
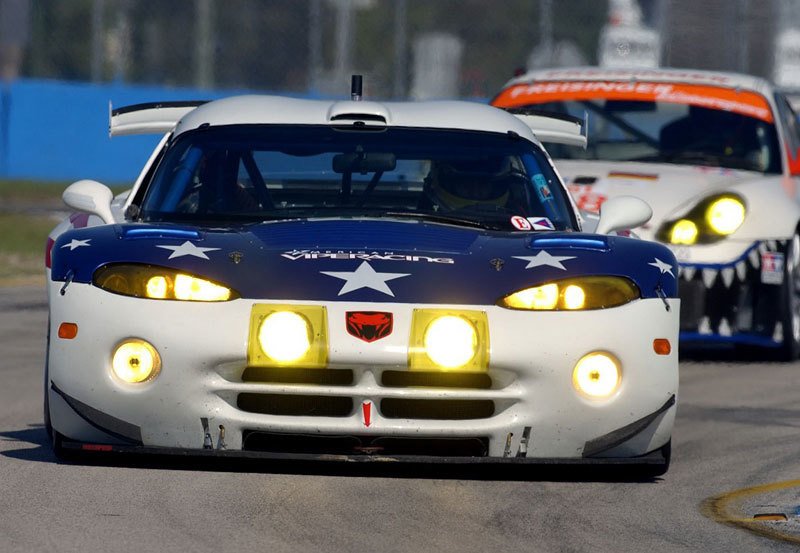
369	325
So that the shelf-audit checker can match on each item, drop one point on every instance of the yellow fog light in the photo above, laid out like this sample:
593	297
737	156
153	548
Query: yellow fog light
683	232
450	341
284	336
725	215
135	361
288	335
596	375
444	339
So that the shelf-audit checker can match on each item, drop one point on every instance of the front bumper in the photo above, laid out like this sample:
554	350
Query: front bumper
731	302
523	407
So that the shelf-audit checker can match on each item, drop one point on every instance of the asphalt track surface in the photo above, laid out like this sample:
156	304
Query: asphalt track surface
736	459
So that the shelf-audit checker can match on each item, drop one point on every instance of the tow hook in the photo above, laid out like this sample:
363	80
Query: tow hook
208	443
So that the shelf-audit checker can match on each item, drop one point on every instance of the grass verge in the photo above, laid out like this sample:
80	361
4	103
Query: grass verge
23	233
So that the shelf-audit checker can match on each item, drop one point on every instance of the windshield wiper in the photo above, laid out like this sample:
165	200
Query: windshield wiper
436	218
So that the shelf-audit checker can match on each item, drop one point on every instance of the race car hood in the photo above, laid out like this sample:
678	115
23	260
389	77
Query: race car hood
671	190
366	260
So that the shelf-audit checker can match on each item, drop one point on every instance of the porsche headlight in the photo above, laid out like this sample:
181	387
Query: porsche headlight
593	292
147	281
683	232
725	215
710	220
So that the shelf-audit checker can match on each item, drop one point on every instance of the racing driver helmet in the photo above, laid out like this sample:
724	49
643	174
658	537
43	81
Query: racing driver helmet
464	183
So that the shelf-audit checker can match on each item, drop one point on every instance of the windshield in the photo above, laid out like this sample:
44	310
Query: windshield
674	131
268	172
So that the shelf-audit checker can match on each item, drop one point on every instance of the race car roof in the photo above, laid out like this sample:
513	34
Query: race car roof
255	110
669	75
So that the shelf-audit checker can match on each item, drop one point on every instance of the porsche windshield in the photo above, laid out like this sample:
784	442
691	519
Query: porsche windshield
267	172
670	132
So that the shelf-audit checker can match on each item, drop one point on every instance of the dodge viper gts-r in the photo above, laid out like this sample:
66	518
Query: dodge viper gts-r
357	280
717	156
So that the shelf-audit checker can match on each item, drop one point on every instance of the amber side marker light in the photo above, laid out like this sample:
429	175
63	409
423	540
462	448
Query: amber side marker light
67	331
662	346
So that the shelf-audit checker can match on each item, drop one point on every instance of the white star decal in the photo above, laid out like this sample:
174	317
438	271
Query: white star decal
187	248
662	266
365	277
544	258
77	244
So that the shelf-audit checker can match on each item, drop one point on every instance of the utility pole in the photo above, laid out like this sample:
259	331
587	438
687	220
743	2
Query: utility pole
743	42
546	29
400	49
98	34
314	45
344	40
204	44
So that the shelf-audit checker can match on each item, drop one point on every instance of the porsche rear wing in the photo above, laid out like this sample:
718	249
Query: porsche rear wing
555	127
152	118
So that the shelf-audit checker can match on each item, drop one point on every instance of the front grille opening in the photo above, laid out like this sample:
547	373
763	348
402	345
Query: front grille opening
431	379
295	405
437	409
253	440
288	375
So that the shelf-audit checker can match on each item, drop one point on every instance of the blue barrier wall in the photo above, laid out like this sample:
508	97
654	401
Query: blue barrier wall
58	131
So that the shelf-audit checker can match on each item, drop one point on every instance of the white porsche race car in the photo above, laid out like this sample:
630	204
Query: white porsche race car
717	156
357	280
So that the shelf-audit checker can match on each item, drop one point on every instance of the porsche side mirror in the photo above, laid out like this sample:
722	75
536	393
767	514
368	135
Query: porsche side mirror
621	213
90	197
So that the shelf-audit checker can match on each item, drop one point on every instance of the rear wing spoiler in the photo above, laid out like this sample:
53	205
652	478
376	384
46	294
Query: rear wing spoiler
152	118
554	127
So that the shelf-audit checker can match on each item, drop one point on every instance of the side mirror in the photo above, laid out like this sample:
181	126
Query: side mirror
90	197
621	213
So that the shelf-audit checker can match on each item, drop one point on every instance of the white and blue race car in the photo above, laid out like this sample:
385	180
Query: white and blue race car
356	280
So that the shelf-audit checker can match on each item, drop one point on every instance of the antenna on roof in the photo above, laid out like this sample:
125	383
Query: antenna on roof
356	88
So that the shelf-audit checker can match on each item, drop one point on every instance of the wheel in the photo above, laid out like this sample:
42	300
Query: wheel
790	301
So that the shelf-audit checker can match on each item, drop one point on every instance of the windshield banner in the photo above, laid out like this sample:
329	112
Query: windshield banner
743	102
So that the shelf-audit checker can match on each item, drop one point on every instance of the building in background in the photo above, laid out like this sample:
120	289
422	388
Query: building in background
625	41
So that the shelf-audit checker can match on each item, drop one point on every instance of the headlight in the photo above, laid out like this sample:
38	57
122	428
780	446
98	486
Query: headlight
683	232
725	215
444	339
594	292
709	221
597	375
135	361
288	335
147	281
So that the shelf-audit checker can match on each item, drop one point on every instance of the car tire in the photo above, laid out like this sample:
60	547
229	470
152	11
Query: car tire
652	471
48	426
790	301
